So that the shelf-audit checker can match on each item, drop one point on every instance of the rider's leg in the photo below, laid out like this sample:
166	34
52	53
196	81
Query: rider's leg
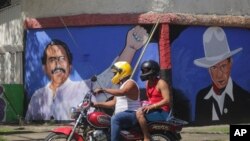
143	124
119	121
156	115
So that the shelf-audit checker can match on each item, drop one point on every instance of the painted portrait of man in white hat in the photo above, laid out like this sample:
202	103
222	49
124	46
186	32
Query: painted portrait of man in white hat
224	100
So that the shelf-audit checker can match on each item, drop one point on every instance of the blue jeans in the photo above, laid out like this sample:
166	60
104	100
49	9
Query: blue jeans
157	115
120	121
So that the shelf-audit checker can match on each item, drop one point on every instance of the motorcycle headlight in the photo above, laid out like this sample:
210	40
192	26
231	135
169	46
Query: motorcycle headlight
74	112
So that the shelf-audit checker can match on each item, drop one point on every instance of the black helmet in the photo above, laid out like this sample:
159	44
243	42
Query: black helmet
149	68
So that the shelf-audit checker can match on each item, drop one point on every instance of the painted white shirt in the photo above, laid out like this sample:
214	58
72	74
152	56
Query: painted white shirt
220	98
43	106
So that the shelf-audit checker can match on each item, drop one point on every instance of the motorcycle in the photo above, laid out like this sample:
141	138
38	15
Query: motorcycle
94	125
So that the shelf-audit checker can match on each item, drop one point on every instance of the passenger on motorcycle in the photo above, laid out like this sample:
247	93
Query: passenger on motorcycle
158	94
126	99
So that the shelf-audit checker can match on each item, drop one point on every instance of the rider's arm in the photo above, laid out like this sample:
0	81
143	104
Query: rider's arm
130	89
164	89
107	104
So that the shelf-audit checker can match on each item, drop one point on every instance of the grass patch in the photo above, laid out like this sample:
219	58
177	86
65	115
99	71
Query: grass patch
4	130
2	139
223	129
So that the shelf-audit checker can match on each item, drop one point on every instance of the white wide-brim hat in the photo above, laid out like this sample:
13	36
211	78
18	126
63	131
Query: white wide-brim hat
215	47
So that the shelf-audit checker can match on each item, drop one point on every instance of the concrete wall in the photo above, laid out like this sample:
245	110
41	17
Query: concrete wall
11	29
210	7
48	8
11	44
12	19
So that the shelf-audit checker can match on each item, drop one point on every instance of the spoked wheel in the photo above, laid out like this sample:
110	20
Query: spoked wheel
57	137
162	137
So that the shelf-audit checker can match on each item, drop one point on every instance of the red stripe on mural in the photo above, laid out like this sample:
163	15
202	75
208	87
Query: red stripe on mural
94	19
164	47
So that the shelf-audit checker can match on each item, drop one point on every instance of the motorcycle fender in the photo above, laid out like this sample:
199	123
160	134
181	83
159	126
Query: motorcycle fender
66	131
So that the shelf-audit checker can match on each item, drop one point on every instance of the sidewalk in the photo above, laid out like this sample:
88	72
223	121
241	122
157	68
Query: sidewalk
39	132
206	133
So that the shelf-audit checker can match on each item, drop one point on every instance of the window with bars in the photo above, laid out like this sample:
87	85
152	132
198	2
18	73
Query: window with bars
11	68
4	3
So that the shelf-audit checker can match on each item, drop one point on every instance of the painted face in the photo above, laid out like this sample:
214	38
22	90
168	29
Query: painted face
57	65
220	73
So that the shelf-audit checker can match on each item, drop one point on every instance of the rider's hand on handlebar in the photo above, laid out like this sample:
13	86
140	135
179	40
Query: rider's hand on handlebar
95	104
92	104
98	91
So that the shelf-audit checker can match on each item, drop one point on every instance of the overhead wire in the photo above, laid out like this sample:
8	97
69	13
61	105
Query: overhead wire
145	47
77	45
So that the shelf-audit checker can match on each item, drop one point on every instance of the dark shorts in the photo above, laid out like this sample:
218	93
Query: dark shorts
157	115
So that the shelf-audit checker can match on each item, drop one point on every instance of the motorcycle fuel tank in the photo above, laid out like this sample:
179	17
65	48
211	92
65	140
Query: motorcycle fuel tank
99	119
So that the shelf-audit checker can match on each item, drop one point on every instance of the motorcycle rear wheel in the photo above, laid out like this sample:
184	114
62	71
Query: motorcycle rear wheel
162	137
57	137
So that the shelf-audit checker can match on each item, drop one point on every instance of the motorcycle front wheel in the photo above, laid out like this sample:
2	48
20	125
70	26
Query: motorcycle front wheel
57	137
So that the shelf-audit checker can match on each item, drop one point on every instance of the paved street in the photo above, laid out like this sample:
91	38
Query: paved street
39	132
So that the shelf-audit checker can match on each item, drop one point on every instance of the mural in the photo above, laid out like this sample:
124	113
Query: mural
214	74
93	49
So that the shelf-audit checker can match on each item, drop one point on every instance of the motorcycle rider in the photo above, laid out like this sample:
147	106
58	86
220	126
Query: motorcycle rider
157	91
126	99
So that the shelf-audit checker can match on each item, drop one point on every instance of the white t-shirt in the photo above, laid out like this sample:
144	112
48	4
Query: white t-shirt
124	103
